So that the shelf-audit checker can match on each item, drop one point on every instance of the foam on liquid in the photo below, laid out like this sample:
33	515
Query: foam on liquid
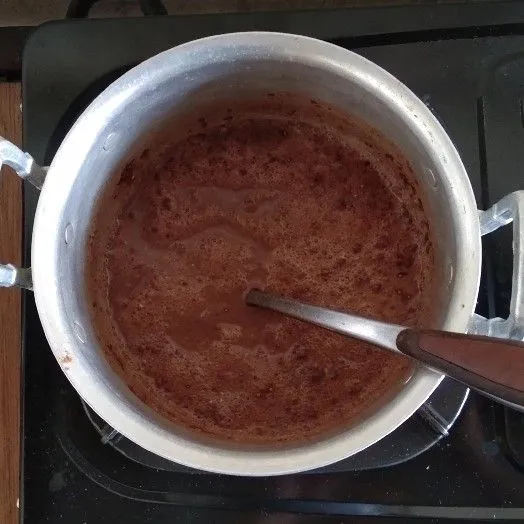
279	193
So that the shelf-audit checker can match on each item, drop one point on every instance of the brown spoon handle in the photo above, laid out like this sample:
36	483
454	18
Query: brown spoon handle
493	366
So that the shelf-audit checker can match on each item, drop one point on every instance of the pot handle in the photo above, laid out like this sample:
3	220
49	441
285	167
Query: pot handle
27	169
509	209
23	163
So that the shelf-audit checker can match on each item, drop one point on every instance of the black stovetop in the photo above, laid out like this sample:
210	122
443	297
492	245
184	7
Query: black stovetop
467	64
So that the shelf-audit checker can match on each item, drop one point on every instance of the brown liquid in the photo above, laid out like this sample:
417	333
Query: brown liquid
277	193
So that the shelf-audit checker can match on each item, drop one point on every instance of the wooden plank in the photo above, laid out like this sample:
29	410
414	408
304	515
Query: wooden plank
10	312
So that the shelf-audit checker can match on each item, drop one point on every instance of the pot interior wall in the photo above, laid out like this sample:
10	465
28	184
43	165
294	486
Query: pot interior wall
135	110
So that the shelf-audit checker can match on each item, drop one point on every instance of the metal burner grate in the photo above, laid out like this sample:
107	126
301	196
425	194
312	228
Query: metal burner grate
422	431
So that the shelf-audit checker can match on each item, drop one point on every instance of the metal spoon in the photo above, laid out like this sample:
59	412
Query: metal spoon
492	366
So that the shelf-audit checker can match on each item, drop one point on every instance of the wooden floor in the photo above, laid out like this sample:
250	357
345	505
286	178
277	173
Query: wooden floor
10	327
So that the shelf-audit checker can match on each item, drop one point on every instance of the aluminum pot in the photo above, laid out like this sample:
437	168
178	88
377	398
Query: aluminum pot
183	78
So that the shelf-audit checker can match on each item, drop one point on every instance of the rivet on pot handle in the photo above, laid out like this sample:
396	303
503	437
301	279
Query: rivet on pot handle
27	169
508	209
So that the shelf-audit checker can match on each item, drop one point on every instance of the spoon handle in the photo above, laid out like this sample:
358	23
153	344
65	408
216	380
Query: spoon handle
373	331
490	365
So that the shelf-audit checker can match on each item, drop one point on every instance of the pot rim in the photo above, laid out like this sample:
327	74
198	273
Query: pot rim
47	236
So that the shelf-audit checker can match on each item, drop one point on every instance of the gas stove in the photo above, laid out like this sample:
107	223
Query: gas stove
460	457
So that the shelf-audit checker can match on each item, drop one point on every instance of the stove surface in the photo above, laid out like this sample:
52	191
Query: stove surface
77	469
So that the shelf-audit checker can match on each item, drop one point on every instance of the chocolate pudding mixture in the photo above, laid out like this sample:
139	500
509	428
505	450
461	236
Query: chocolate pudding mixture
278	193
